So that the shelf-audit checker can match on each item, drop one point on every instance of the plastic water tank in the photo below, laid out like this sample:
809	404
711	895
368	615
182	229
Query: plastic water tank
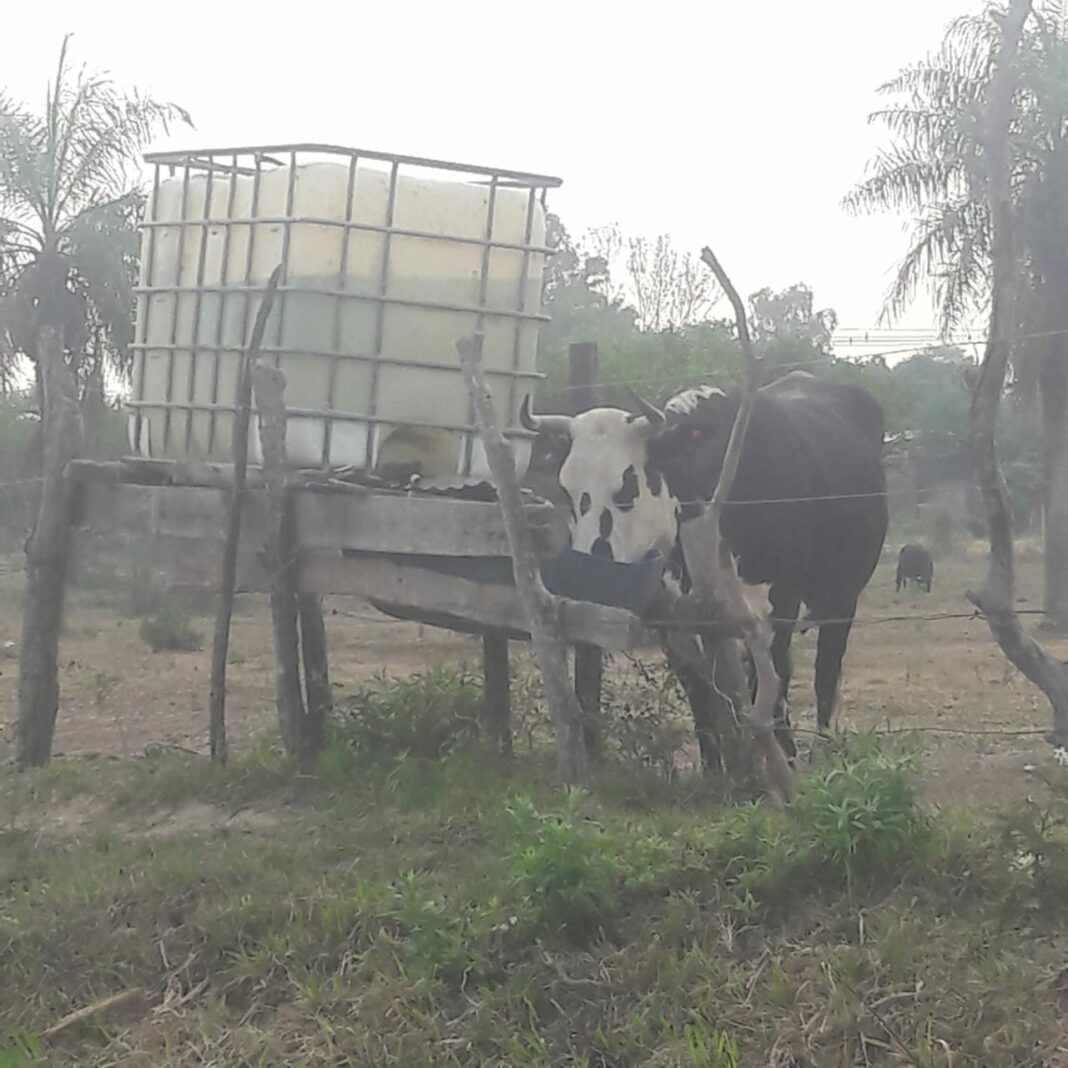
383	272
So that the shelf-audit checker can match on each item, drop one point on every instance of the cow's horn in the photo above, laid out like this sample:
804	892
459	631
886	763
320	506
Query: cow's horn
650	411
544	424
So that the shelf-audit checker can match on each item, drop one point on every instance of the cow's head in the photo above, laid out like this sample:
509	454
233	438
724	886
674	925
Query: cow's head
689	446
620	505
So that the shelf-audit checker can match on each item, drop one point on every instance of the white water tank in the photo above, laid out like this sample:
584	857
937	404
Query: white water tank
383	271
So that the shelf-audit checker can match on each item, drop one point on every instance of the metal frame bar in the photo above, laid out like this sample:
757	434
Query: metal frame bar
198	306
321	413
360	357
190	158
474	309
380	318
182	215
217	353
396	231
339	303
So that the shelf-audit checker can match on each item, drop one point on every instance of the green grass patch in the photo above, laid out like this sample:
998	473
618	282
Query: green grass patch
413	903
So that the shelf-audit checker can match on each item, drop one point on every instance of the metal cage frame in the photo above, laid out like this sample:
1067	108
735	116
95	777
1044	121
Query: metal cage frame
252	162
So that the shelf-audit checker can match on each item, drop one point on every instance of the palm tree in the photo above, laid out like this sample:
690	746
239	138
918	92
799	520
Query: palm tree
69	203
934	169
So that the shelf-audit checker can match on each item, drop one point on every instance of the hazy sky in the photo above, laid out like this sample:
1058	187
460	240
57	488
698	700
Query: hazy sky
740	125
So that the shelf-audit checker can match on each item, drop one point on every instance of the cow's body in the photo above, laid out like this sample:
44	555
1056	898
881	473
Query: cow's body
914	562
807	514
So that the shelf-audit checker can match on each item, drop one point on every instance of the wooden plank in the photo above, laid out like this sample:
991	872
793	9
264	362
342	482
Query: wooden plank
325	522
434	526
489	605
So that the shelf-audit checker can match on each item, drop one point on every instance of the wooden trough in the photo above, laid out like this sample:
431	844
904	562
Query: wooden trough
385	546
433	557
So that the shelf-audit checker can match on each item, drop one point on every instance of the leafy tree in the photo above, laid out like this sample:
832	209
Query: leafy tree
69	203
933	168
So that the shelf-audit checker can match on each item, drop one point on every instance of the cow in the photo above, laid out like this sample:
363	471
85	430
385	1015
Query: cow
807	515
914	562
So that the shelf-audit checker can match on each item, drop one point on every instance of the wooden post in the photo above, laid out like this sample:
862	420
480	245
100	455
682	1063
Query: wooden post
713	570
320	699
269	384
224	613
582	362
46	558
589	660
549	649
589	679
496	695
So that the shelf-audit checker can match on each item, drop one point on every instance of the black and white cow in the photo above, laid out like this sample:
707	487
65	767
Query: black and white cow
807	515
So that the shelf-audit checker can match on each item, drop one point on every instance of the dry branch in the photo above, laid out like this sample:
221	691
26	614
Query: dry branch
123	1000
549	649
712	567
221	643
998	597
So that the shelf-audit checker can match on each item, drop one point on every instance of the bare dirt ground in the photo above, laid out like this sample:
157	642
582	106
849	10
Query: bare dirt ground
943	677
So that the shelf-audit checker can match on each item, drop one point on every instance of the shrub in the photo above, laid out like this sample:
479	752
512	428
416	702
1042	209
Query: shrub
425	716
170	630
859	811
569	872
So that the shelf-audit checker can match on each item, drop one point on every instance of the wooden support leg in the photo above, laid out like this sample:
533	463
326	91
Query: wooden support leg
589	675
496	696
269	384
316	670
239	453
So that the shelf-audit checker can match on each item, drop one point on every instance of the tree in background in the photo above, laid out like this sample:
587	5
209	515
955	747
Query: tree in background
69	204
934	169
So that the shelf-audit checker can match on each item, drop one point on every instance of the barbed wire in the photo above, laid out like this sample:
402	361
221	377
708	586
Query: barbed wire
823	361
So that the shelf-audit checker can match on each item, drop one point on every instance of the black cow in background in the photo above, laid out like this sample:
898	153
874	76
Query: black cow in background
914	562
808	511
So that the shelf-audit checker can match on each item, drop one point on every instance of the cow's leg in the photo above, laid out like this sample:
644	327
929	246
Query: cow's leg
830	649
785	608
685	660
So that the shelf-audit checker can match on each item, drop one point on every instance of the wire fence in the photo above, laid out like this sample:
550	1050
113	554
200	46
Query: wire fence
909	619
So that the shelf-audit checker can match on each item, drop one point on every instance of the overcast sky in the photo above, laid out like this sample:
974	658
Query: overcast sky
740	125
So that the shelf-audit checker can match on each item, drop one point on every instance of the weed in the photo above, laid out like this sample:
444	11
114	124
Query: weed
649	725
170	630
425	716
859	811
568	871
21	1050
436	943
708	1047
143	593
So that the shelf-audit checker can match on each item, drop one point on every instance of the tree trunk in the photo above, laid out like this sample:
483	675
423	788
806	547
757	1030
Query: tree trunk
997	600
1053	384
47	551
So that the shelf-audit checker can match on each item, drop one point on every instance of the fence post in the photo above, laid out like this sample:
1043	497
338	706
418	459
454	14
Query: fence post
269	384
496	693
589	660
549	649
224	613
